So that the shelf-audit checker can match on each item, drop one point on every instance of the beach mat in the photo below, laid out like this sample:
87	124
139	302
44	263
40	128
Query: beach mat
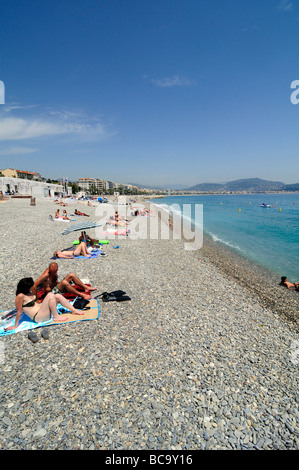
91	312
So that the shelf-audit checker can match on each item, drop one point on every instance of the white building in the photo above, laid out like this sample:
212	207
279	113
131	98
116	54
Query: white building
25	187
87	184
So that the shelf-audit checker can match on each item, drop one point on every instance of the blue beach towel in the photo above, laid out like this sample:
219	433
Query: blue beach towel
92	312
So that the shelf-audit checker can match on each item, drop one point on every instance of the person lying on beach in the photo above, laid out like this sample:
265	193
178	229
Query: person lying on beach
80	250
26	301
288	285
86	238
60	203
76	212
49	279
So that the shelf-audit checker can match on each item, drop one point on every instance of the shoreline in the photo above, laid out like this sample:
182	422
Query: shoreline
257	279
194	361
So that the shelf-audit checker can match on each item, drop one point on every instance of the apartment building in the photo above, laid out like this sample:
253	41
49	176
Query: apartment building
23	174
88	184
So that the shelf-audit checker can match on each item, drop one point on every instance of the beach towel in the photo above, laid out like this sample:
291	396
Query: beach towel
101	242
41	293
115	232
91	312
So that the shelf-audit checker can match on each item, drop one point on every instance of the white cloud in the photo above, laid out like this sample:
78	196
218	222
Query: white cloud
20	129
285	5
14	106
173	81
16	150
49	124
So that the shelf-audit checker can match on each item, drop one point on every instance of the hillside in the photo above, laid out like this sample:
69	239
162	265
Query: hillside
249	184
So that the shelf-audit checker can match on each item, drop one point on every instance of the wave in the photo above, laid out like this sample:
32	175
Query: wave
215	238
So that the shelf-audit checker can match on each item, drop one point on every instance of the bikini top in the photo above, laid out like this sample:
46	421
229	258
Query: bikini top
30	304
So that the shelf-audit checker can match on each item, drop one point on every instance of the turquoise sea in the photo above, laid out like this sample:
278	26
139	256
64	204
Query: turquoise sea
269	237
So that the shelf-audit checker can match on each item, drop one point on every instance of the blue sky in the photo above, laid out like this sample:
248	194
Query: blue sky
155	92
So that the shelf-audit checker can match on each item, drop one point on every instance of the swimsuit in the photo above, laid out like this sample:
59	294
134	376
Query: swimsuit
30	304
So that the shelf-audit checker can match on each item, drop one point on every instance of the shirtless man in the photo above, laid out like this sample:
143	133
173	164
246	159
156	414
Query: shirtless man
49	279
76	212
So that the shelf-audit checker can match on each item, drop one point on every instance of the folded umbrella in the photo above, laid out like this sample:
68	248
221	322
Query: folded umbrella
81	226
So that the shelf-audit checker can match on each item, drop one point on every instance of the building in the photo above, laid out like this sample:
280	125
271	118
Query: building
28	175
86	183
94	185
26	187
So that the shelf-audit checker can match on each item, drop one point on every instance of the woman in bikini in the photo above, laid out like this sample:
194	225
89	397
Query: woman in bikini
26	302
80	250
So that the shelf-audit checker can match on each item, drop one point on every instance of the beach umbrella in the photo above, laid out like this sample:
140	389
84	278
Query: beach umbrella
81	226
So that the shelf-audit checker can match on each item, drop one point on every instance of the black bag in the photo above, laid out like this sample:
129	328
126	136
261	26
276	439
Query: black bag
80	303
117	295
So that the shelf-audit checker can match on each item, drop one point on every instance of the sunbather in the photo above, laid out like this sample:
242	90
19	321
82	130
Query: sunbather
49	279
64	215
76	212
80	250
286	283
26	301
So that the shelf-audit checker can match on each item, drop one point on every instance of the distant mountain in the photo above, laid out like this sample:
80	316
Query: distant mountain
292	187
249	184
206	187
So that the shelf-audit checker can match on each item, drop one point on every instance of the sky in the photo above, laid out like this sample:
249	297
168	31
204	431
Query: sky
153	92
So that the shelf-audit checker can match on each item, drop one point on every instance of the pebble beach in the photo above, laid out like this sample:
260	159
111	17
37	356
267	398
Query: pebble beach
205	355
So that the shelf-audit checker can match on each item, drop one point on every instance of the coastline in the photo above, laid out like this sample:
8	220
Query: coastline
257	279
194	361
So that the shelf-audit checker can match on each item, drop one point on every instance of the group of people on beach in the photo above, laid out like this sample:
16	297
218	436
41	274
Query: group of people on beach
38	301
64	215
85	242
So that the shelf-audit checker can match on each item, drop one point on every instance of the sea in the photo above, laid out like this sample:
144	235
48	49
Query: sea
267	236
